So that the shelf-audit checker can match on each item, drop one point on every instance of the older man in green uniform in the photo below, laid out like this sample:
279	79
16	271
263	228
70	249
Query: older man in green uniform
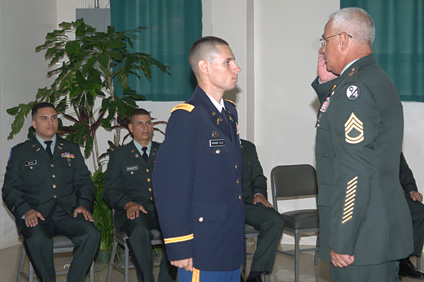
259	213
129	190
365	225
48	189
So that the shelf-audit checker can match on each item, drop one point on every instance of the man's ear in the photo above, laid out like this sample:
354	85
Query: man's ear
203	66
344	41
130	127
33	124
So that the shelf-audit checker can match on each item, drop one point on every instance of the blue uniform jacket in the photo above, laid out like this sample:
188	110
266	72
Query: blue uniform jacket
198	186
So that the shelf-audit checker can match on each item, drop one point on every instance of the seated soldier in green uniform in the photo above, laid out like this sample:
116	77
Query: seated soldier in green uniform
259	213
129	190
48	189
414	200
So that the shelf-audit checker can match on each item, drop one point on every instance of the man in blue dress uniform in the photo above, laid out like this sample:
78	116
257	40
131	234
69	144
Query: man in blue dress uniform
198	173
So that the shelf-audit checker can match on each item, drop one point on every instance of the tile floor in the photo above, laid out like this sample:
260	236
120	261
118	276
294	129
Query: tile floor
283	269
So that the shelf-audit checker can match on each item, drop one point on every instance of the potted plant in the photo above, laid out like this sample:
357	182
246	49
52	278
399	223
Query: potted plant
92	67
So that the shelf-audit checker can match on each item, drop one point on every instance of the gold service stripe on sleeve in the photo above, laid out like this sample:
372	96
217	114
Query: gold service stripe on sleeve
178	239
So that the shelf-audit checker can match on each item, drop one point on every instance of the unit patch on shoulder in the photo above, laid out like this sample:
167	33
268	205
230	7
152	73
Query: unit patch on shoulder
354	130
184	106
353	92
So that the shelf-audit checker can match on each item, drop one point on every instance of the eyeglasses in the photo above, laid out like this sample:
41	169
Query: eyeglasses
324	40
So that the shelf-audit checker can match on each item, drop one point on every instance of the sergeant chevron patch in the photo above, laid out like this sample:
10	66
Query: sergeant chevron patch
354	130
349	200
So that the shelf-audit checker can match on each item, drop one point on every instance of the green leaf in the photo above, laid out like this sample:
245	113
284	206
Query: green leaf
106	124
104	60
122	113
80	31
12	111
137	97
72	47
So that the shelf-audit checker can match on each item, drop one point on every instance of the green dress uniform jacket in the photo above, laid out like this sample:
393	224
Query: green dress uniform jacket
129	178
358	143
254	180
266	220
34	181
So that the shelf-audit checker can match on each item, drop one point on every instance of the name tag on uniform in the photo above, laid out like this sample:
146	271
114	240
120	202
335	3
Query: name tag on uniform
217	143
132	168
29	163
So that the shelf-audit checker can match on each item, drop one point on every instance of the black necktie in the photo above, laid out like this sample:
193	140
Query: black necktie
145	156
225	115
48	149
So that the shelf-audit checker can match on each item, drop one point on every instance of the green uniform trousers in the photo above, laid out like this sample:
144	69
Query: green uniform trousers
385	272
138	231
270	225
417	214
39	245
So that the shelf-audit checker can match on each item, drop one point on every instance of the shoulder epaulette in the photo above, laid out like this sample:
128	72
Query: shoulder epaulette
20	144
184	106
234	104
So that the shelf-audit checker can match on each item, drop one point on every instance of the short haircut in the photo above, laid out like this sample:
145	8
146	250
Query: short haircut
204	49
139	112
356	22
35	109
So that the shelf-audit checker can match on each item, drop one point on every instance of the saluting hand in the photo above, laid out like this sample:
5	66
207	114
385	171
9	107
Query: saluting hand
31	218
133	210
85	213
261	199
323	74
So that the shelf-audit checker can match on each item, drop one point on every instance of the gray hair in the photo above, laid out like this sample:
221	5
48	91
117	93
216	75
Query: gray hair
356	22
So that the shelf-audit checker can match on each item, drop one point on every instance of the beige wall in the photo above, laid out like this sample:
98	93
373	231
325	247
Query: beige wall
275	43
23	26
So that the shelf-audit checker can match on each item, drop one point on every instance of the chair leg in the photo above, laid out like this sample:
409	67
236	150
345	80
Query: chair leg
127	261
31	272
92	272
296	257
112	261
21	264
266	278
418	267
316	251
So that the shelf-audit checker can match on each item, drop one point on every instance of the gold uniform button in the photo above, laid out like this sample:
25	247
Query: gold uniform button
218	151
239	197
147	170
54	196
151	198
132	172
53	175
201	219
238	181
54	186
150	189
148	180
236	166
31	167
52	165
